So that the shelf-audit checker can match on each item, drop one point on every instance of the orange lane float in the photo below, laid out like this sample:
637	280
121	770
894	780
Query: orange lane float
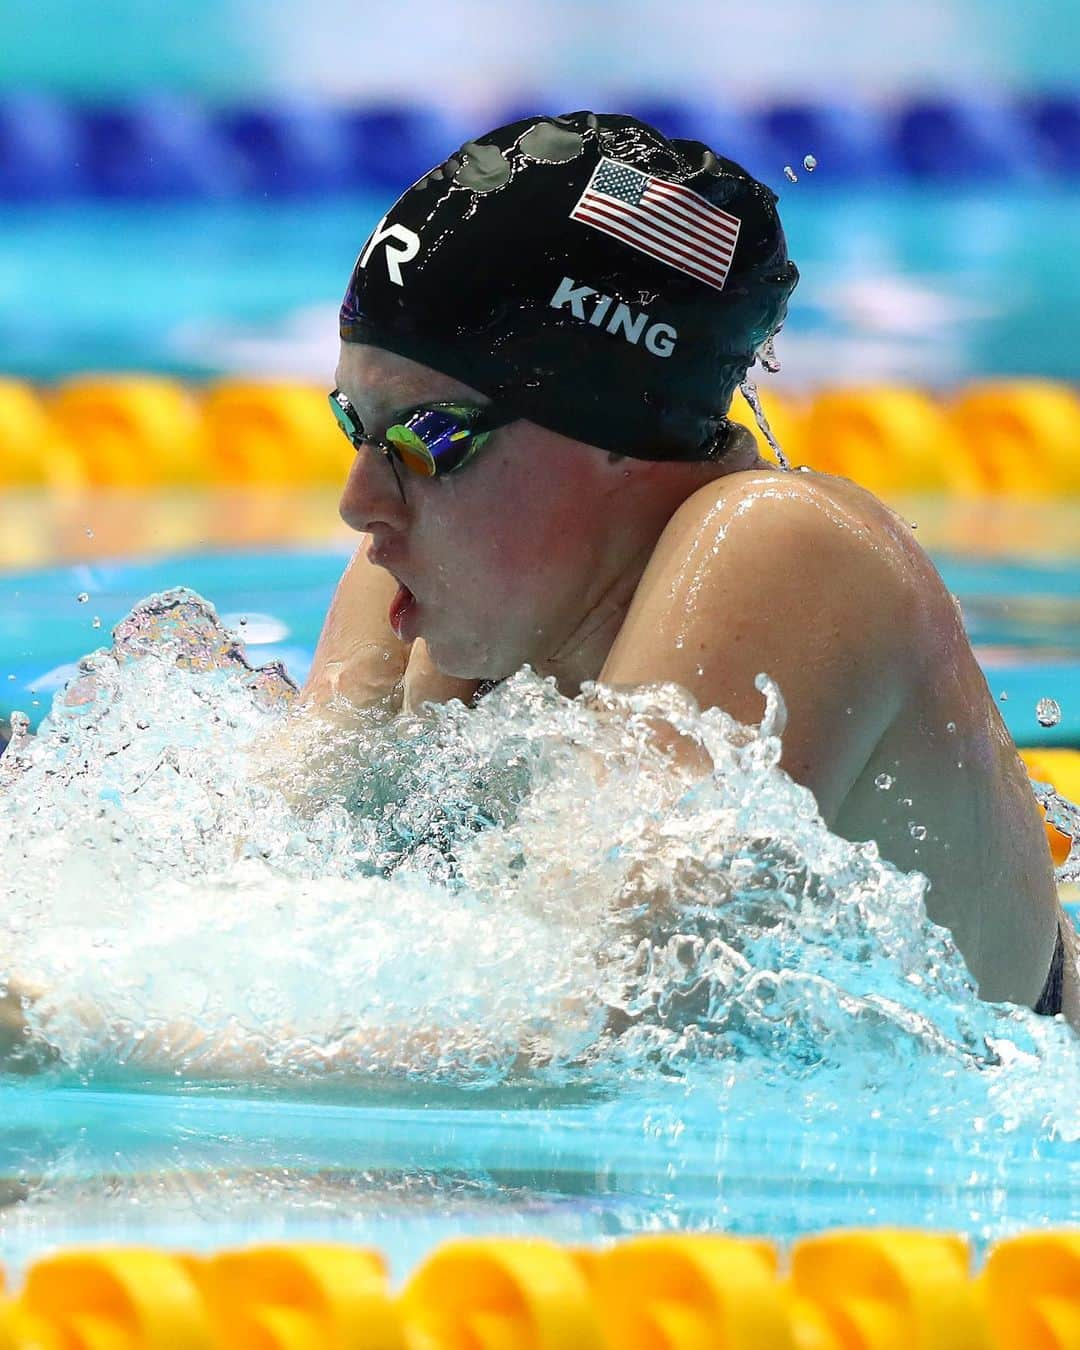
1061	769
1015	438
1025	435
132	431
853	1290
276	434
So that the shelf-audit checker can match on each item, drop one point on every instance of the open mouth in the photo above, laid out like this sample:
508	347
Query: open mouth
402	610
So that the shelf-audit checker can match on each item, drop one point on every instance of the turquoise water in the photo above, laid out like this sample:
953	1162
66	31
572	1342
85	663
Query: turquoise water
199	1172
435	997
925	285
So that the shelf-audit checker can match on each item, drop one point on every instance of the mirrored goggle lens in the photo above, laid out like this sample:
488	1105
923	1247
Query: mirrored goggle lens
412	451
432	441
346	422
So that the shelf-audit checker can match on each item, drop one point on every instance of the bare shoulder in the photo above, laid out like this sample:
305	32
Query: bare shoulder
818	534
806	581
809	503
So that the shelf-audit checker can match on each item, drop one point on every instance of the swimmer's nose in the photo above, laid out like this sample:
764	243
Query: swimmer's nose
372	500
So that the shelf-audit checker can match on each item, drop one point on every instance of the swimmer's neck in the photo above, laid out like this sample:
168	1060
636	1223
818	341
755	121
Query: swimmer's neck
580	657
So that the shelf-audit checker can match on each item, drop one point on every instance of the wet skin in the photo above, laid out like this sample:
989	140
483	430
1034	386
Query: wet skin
551	552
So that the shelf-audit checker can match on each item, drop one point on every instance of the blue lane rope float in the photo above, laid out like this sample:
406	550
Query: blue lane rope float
170	146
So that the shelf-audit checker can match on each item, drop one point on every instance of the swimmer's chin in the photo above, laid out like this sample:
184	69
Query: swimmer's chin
457	662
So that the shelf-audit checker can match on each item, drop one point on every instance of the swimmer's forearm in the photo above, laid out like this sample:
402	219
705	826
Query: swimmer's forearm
182	1048
21	1051
358	658
195	1054
12	1026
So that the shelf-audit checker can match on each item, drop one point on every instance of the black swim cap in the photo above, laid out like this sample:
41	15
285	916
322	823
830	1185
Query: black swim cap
587	273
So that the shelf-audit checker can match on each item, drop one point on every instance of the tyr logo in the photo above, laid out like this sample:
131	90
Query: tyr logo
402	245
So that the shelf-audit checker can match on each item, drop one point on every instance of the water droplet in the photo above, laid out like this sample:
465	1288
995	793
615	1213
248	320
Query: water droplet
1003	697
905	801
89	532
748	389
884	781
790	174
11	677
243	620
914	524
916	831
142	723
95	622
766	354
1048	712
809	163
950	727
82	597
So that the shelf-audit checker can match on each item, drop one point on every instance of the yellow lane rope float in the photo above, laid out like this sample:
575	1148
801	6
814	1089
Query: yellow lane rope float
1016	438
872	1290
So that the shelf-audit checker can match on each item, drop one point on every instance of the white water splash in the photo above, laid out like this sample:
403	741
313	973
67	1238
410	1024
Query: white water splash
1048	712
198	882
748	389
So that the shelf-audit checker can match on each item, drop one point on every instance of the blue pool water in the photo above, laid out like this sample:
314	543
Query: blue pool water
200	1171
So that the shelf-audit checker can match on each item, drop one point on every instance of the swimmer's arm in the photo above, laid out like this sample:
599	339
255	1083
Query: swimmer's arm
21	1051
766	581
359	664
358	658
232	1053
359	661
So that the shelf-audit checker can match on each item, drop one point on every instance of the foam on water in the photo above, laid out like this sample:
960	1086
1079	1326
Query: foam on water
199	882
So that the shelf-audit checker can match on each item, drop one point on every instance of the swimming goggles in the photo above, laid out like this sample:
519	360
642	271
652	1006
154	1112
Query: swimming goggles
429	439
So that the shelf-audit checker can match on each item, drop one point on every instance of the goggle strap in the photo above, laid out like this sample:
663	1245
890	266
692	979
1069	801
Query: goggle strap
397	475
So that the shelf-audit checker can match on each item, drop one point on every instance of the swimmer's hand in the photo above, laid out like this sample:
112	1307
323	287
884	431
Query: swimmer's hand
182	1048
192	1053
20	1051
308	755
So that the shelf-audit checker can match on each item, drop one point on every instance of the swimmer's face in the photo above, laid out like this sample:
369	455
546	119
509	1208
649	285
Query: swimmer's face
504	556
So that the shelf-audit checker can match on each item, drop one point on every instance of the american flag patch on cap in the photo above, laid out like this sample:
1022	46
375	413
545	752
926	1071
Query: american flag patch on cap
665	220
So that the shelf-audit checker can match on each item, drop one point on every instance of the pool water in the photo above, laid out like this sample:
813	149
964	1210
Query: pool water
432	999
200	1171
